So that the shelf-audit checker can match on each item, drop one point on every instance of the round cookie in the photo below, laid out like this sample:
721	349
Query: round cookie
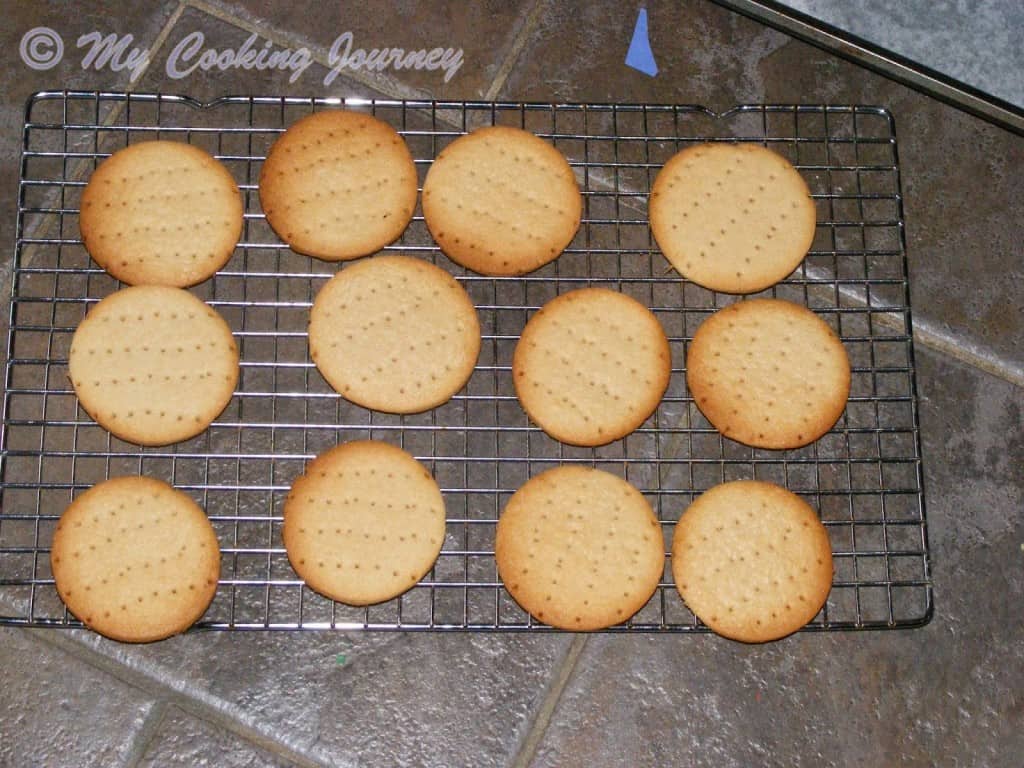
161	213
579	548
135	559
768	373
591	366
153	365
395	334
364	523
736	218
338	185
752	560
501	201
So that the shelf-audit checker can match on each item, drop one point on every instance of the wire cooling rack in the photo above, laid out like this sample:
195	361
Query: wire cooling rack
864	477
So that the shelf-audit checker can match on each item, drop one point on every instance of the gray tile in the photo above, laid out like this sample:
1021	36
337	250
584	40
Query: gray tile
964	236
57	710
142	21
950	689
483	31
964	199
366	699
577	53
187	741
972	427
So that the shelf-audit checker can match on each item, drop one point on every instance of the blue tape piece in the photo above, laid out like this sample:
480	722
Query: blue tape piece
639	56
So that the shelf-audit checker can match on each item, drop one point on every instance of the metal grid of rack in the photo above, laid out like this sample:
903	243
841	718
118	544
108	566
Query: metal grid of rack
864	477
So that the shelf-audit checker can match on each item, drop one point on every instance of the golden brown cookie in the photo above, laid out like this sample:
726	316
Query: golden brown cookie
135	559
161	213
152	364
394	333
501	201
736	218
364	523
591	366
338	185
768	373
752	560
579	548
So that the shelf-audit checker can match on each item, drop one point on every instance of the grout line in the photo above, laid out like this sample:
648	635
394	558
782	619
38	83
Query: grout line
937	340
529	25
204	706
528	748
150	728
158	43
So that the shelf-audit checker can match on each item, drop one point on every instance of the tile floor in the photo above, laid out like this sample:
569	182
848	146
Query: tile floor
946	694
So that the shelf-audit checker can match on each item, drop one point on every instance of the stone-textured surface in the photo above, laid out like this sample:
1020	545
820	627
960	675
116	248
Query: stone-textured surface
56	710
183	740
362	699
947	694
978	43
964	199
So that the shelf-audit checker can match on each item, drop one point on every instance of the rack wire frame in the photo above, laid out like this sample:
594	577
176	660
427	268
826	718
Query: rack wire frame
864	477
